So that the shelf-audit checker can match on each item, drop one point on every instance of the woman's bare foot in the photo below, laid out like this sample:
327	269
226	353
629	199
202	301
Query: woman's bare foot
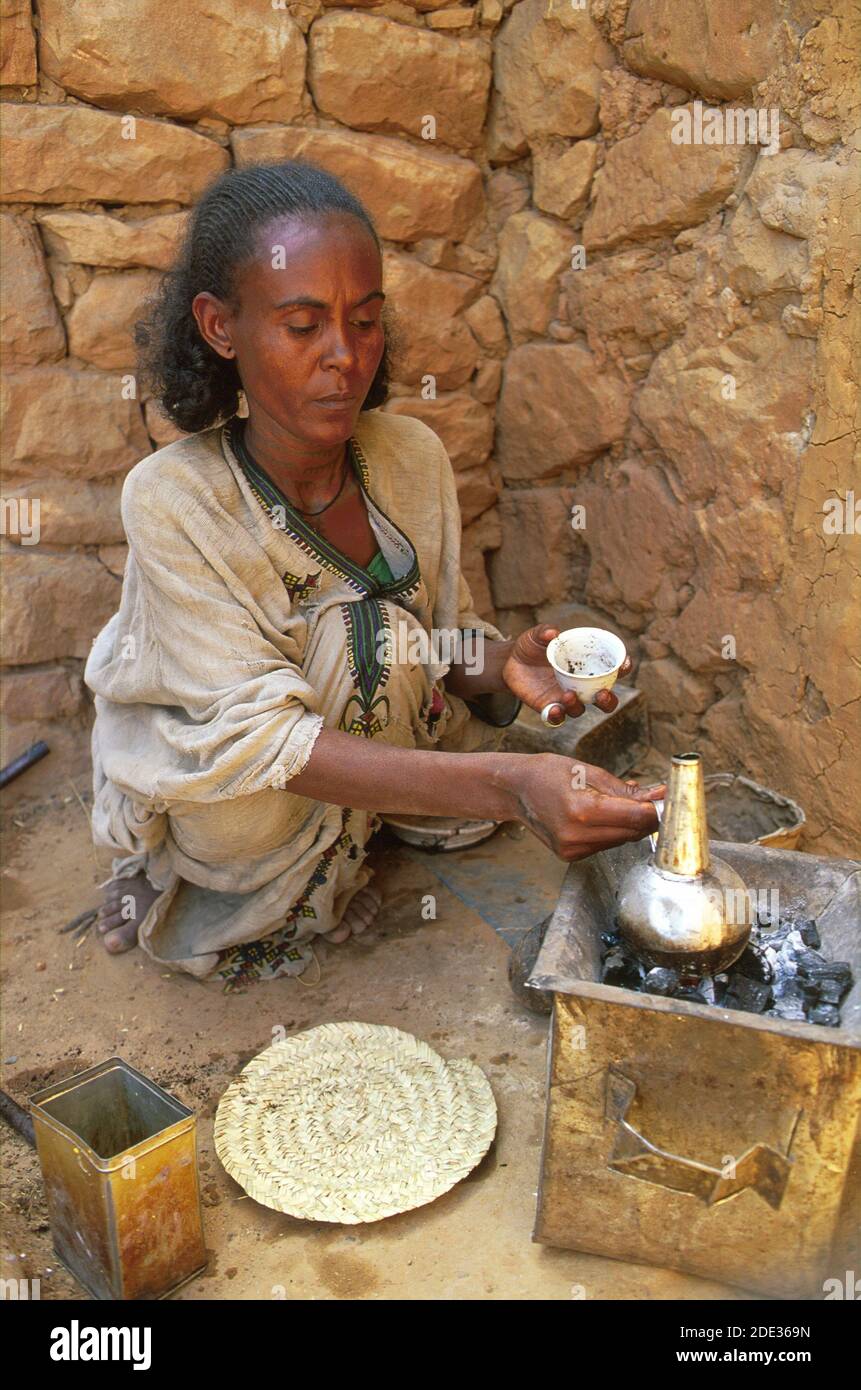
361	912
125	904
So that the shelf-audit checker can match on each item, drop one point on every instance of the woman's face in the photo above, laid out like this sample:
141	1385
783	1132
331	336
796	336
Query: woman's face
305	325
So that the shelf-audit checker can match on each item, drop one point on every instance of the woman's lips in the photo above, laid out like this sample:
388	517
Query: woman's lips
346	404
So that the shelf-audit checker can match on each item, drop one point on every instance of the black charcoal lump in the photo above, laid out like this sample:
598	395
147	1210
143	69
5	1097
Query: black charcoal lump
825	1014
661	981
755	965
752	996
690	995
809	934
813	967
789	1009
621	969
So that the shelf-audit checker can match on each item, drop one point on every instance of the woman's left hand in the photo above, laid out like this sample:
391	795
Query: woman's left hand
528	675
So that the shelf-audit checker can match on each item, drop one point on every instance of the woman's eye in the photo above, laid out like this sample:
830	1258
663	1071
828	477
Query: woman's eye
294	329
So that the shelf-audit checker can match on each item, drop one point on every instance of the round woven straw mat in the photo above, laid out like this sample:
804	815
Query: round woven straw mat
352	1122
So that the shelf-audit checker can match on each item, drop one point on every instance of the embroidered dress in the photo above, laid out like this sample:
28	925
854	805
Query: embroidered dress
241	633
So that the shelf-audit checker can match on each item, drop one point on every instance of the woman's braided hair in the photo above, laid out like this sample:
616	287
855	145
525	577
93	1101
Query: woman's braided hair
194	385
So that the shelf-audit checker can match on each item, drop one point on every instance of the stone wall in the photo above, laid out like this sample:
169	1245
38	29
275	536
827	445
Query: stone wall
638	352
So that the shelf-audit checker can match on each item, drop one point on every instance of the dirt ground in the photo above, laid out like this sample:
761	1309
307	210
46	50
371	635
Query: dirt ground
68	1006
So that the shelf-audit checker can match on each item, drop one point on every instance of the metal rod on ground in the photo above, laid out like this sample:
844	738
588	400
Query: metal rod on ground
18	1118
19	765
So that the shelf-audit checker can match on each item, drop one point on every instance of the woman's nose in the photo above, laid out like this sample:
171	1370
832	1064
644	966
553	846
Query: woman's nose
338	346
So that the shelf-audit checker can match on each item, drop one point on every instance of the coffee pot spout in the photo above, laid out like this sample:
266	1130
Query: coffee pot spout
683	837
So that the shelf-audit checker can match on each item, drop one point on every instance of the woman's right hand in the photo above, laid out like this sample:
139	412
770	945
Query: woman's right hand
577	809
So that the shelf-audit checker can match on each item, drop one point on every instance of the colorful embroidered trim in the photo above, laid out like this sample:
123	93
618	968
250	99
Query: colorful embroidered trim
278	954
270	497
369	647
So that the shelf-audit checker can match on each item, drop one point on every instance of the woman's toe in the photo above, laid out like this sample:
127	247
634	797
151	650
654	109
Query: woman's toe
108	921
121	939
363	910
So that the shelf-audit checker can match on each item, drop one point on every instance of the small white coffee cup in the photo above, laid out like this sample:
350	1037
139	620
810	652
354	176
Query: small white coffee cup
586	659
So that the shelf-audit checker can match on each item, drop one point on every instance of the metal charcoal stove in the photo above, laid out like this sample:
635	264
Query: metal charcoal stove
694	1137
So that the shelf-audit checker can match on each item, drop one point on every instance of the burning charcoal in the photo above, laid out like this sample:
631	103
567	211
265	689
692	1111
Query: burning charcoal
707	989
789	1010
721	984
751	996
794	945
808	962
786	963
661	981
773	941
790	990
822	989
610	938
809	934
691	995
621	970
754	964
687	982
826	1015
774	964
811	991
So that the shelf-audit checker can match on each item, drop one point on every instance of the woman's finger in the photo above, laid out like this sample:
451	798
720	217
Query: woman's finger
601	836
540	695
658	793
622	811
606	700
572	704
538	639
607	839
600	780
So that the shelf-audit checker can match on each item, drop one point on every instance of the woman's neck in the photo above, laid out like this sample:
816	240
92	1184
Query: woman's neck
306	473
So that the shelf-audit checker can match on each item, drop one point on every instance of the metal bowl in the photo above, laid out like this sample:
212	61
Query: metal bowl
440	833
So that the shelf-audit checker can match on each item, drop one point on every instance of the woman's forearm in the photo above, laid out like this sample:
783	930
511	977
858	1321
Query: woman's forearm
573	816
468	679
370	776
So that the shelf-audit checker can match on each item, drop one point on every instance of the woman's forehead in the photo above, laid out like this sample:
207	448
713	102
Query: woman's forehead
295	254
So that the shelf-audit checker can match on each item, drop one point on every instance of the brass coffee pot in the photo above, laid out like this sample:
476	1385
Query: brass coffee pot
682	908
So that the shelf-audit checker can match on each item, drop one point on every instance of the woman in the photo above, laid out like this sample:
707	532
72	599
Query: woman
270	685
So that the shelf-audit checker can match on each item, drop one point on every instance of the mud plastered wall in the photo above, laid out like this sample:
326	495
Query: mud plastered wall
621	240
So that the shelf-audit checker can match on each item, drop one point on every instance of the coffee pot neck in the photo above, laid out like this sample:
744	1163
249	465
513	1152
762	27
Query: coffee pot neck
683	838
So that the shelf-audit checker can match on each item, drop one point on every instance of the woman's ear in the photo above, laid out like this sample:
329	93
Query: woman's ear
210	314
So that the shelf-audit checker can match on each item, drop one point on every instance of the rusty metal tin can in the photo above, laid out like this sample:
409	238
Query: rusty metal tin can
119	1163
